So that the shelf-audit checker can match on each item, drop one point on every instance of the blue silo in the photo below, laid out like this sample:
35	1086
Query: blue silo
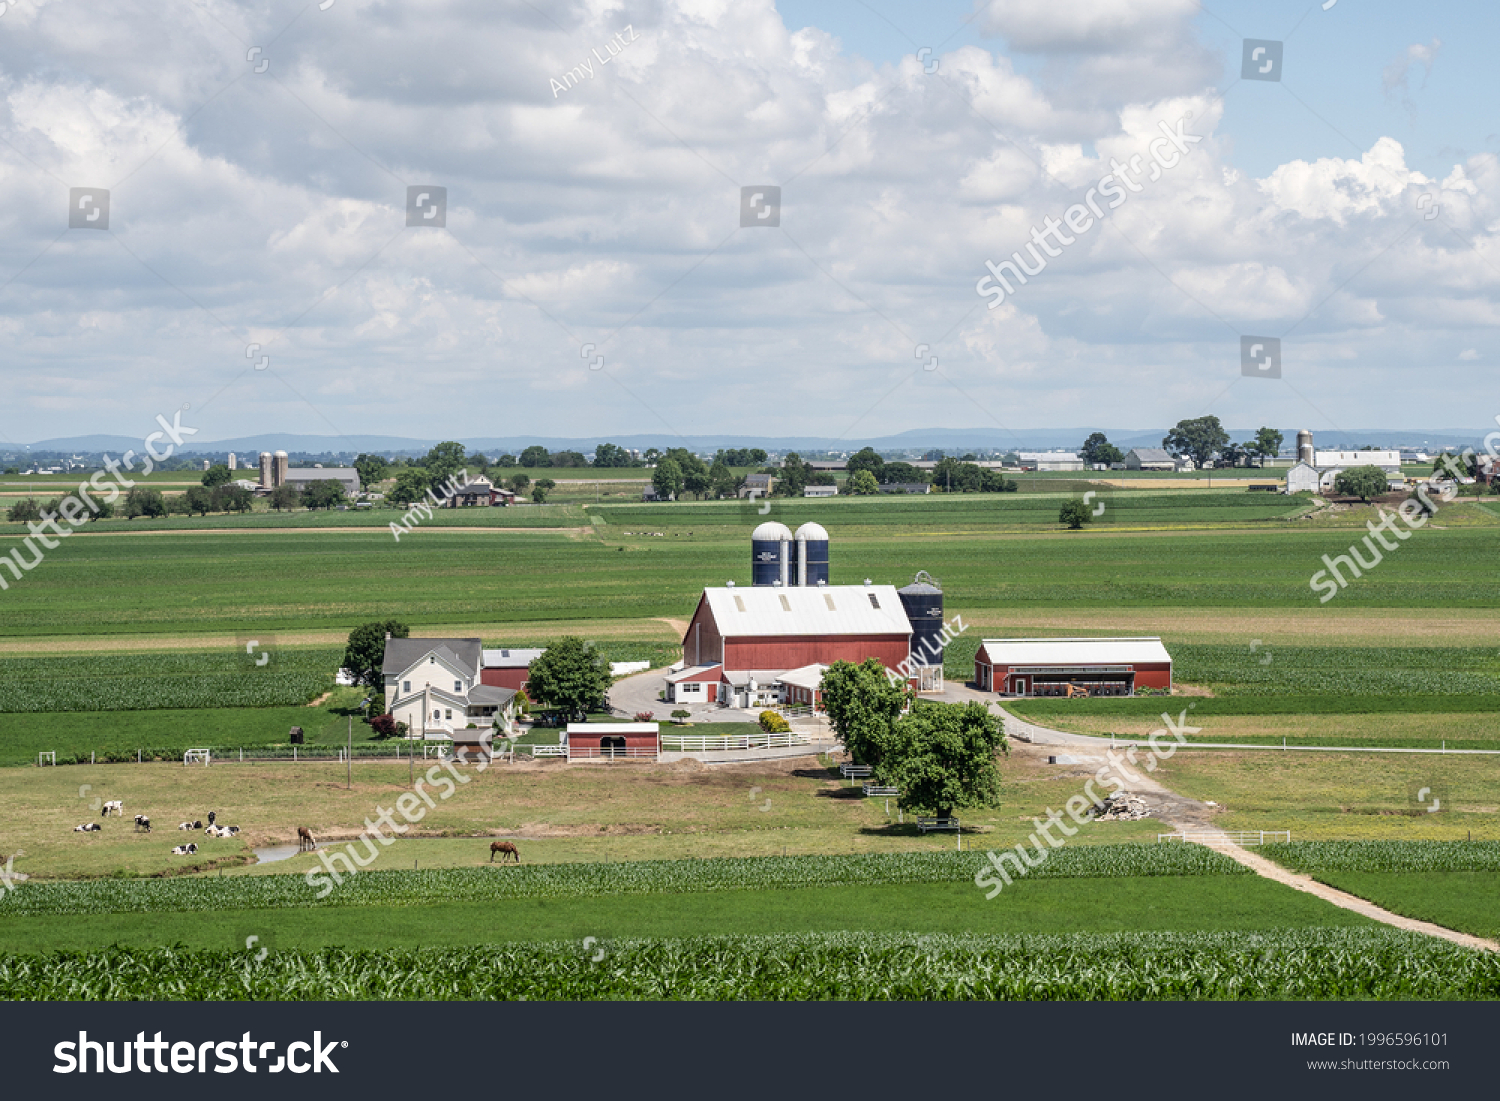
771	554
923	602
810	557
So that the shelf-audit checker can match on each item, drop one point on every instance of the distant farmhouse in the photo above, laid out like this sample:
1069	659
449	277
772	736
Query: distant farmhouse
1149	458
1317	471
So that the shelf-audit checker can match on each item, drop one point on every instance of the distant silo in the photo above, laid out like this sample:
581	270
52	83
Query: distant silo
234	462
1305	447
267	471
282	465
923	602
770	554
811	555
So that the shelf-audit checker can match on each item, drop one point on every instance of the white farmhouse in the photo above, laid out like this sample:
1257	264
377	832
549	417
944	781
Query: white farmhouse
435	686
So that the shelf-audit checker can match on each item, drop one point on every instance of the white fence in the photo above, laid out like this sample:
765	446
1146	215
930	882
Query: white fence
594	752
1233	837
46	757
694	743
547	750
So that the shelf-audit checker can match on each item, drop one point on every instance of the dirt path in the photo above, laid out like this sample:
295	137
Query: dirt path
1182	814
678	625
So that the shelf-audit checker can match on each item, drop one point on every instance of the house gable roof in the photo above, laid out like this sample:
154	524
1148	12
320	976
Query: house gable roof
460	654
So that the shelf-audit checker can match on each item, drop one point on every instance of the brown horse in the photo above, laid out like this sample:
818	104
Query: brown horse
504	848
305	840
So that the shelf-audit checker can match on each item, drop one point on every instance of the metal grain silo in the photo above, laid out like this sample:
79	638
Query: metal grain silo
811	556
923	602
267	471
1305	447
282	464
770	554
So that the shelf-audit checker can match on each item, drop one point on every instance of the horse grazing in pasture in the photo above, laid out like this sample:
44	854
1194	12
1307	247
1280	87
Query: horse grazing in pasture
505	849
305	840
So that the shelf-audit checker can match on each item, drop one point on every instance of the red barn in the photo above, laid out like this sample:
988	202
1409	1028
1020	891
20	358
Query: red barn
591	741
780	628
507	668
1046	666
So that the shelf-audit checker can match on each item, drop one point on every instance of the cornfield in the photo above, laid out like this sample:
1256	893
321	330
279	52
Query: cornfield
1285	965
1387	856
402	888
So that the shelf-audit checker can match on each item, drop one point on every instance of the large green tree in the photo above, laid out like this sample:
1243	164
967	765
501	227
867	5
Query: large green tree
323	493
443	462
862	483
570	675
144	501
365	652
285	496
611	456
866	459
1364	482
1098	449
540	488
1267	444
216	476
902	473
1075	514
1198	439
667	479
200	499
535	455
411	485
723	482
941	757
373	469
792	478
862	705
24	510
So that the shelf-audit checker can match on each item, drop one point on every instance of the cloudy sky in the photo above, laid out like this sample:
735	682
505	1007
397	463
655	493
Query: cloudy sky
263	160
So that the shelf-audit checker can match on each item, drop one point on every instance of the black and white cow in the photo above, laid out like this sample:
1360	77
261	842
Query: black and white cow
115	806
211	816
92	827
142	823
185	850
190	826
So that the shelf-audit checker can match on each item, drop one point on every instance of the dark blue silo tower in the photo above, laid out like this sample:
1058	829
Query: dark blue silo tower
810	556
771	554
923	602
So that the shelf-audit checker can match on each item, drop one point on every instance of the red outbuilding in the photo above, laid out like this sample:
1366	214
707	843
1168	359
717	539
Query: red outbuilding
593	741
1047	666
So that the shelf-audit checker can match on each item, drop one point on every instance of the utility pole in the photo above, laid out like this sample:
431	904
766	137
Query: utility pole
349	758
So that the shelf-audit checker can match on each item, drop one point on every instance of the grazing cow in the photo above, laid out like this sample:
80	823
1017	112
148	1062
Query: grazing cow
305	840
505	849
190	826
117	806
92	827
185	850
142	823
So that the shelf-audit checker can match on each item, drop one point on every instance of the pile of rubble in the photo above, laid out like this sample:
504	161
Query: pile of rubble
1121	807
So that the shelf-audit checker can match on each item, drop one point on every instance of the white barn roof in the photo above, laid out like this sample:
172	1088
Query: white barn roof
812	610
1075	651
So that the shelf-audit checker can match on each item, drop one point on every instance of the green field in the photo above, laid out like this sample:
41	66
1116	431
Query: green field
1289	965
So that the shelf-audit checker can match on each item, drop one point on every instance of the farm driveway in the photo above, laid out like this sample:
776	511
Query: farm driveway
1182	814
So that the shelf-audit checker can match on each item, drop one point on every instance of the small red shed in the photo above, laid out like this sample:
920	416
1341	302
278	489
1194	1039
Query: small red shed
607	741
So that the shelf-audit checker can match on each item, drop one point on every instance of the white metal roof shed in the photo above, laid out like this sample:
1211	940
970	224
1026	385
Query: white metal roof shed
812	610
1075	651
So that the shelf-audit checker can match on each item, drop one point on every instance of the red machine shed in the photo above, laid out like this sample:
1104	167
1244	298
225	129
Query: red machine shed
1046	666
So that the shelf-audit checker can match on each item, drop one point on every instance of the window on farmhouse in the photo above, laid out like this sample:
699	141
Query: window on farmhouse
406	686
873	602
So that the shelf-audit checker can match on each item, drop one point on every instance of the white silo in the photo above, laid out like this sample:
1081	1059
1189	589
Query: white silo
267	471
282	465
